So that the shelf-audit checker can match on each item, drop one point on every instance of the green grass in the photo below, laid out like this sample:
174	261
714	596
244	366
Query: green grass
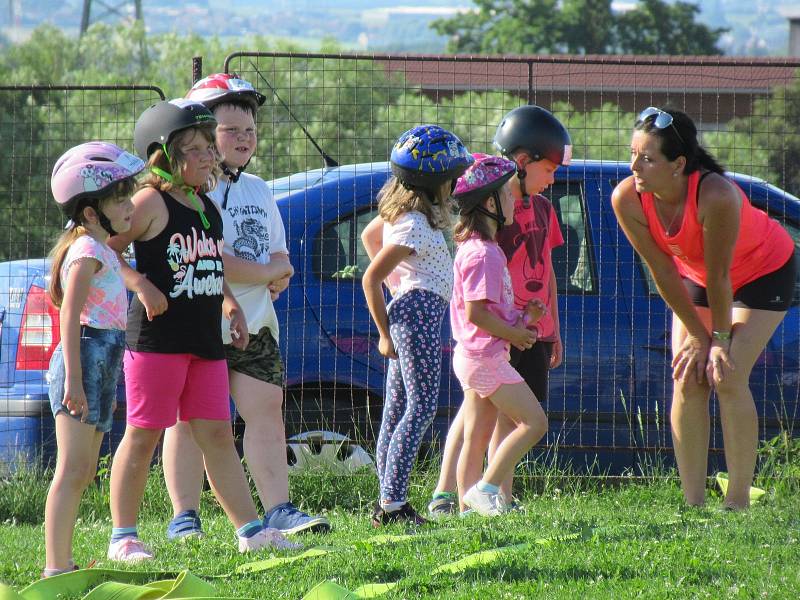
635	540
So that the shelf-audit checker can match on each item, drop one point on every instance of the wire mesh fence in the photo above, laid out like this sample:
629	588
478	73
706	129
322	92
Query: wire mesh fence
37	124
609	400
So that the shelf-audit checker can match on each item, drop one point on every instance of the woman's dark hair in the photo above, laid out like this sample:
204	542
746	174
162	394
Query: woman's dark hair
679	138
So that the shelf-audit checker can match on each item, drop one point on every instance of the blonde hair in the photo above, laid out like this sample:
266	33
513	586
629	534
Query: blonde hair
177	161
395	199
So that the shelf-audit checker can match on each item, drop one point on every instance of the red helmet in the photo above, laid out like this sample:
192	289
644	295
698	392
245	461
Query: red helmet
224	87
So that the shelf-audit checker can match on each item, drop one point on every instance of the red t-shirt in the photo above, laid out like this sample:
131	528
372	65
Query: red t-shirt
528	244
763	246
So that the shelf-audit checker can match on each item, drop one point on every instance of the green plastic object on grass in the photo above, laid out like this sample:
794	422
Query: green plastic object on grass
108	584
755	493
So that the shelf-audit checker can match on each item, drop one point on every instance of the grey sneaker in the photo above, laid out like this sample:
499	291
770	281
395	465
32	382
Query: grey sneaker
287	519
484	503
443	504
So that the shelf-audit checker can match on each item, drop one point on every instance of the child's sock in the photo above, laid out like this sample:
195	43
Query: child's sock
445	495
391	506
54	572
248	530
120	533
487	488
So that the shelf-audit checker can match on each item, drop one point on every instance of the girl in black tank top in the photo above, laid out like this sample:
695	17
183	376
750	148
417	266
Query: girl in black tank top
184	262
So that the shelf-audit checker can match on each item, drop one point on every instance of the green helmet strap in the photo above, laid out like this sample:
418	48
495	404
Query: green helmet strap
190	191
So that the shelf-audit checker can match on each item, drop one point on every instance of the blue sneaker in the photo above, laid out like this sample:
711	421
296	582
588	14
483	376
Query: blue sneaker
286	518
186	524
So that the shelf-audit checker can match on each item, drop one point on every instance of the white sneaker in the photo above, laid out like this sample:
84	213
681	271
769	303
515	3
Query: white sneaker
484	503
267	538
129	549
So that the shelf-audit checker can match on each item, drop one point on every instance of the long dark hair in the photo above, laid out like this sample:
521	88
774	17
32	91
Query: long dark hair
680	139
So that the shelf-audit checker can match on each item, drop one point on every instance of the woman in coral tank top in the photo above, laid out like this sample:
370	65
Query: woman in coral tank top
726	270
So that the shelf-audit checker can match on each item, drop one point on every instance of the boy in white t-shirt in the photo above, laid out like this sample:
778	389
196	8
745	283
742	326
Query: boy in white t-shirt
257	269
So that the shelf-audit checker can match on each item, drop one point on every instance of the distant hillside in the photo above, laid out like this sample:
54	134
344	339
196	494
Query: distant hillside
757	26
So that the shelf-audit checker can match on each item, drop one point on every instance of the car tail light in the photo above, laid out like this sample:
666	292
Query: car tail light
39	331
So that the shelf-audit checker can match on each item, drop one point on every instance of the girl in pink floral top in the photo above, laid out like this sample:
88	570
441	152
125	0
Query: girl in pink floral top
92	184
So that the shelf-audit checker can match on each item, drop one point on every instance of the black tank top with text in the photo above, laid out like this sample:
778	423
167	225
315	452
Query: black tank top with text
184	262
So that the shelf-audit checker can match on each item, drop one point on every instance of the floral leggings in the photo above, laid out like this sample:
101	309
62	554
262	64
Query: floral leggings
412	387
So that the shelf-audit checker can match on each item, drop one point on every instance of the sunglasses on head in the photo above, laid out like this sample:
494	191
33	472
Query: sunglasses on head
662	121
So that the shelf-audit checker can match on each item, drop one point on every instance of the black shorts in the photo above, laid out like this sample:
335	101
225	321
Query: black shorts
260	360
534	366
773	291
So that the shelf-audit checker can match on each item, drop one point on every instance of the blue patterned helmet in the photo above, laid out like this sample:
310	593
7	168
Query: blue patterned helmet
426	156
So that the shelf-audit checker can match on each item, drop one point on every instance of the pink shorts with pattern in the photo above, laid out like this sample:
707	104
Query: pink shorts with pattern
161	388
484	375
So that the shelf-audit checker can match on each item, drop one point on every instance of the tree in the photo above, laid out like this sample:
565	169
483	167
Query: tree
578	27
655	27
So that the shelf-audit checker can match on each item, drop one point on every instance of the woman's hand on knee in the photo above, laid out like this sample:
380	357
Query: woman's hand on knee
720	364
691	359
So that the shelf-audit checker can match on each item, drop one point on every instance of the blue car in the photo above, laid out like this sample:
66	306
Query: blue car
609	401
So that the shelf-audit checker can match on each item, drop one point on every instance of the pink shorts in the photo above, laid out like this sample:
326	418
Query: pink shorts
484	374
162	388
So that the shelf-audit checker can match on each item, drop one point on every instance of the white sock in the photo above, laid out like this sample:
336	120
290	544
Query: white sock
391	506
487	488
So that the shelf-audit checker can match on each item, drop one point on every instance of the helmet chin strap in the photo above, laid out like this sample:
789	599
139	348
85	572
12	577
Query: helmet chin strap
105	222
526	197
498	215
233	177
190	192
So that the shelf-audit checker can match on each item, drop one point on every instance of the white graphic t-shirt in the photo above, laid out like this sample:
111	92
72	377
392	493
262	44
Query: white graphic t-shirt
252	229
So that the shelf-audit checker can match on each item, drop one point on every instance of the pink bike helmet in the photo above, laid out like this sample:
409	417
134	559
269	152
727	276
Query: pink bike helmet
481	179
90	172
225	87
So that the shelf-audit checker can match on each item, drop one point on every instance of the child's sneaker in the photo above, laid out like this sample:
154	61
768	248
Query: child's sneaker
444	504
287	519
129	549
405	513
185	525
267	538
484	503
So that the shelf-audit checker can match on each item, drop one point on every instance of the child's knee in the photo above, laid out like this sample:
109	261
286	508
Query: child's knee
535	425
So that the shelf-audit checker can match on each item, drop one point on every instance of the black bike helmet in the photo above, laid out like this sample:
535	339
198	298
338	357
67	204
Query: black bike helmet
158	124
535	130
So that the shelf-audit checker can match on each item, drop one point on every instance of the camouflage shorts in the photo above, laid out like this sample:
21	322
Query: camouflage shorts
260	360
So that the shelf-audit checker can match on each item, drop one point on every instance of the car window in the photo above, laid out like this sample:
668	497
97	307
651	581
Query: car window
572	262
338	251
339	254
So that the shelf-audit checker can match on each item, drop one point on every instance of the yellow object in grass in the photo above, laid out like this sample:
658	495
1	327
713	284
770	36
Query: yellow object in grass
722	482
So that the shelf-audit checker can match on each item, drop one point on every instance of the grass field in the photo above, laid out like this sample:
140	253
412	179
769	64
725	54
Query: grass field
575	539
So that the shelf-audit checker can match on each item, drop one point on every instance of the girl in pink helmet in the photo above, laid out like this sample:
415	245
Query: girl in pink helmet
92	184
485	325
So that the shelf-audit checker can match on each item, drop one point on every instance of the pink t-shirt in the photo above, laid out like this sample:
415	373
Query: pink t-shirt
480	273
107	304
528	244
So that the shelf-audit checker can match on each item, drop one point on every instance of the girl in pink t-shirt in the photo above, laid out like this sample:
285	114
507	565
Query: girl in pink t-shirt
92	184
485	325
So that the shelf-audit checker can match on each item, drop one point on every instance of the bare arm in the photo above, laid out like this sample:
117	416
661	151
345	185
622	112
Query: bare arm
479	315
719	209
631	218
149	218
558	348
234	313
241	270
372	237
76	291
380	267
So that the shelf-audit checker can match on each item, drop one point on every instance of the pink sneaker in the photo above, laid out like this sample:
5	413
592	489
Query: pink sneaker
267	538
129	549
